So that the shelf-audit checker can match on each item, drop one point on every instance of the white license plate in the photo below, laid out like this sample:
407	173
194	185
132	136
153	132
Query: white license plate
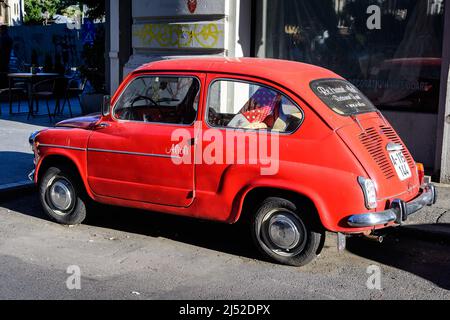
400	165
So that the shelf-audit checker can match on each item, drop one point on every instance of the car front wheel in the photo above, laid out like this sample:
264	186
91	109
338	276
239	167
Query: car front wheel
62	196
286	233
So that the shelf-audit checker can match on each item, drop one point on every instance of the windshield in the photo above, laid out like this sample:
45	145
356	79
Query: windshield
342	97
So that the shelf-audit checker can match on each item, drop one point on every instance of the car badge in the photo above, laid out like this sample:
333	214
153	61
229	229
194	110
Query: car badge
392	147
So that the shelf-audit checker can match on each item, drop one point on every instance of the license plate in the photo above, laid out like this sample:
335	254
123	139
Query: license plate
400	165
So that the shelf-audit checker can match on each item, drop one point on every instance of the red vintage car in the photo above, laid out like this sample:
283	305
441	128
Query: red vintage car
292	148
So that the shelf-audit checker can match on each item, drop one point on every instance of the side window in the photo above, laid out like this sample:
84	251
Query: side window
243	105
161	99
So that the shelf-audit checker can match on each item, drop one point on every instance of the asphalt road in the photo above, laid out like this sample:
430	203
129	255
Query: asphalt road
128	254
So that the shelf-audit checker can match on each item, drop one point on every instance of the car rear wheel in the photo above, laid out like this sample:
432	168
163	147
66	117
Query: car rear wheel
62	196
287	234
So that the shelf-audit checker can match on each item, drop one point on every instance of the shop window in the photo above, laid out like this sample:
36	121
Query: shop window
391	50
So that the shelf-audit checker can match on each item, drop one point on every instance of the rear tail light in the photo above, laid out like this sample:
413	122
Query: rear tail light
421	172
370	192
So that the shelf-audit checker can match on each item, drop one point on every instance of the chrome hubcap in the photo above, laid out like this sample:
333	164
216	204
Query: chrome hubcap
283	232
61	195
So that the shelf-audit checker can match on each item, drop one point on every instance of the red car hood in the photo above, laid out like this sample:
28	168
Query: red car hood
86	122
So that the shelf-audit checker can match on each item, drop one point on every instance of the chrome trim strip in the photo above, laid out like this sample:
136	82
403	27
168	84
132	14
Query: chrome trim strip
134	153
60	147
111	151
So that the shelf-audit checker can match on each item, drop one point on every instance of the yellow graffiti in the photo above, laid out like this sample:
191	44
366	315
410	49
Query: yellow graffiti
180	35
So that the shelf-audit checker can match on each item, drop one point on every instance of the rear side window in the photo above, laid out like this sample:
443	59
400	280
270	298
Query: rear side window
342	97
244	105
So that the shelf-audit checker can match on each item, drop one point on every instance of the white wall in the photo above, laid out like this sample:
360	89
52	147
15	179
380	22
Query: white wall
16	8
114	45
445	157
164	29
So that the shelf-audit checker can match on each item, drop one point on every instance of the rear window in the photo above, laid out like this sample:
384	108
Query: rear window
342	97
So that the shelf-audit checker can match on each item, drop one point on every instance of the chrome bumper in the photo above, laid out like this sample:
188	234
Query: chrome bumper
399	211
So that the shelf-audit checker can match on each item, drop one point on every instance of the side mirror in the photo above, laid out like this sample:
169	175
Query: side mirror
106	107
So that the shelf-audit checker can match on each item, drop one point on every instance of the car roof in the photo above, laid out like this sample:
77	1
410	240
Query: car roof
294	75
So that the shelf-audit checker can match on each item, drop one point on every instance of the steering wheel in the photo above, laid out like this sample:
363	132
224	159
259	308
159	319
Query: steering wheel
141	98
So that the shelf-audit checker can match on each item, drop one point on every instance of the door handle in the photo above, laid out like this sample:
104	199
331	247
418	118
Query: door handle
102	125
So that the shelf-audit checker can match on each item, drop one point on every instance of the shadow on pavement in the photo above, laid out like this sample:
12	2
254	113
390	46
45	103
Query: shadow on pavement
15	166
426	259
231	239
41	118
429	260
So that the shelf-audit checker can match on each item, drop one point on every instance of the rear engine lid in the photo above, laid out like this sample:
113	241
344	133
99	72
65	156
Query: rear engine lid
384	156
370	137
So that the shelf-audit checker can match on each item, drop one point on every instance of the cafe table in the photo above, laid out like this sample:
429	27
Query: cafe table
29	79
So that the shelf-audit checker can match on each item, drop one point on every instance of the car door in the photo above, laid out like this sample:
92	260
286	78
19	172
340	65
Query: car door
248	123
137	154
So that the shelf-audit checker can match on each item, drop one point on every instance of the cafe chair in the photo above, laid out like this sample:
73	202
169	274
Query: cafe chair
16	94
47	90
76	88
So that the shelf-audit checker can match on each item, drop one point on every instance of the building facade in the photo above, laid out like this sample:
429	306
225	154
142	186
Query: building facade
11	12
3	13
396	51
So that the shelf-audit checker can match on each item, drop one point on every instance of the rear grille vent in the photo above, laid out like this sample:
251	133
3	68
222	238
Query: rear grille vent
392	135
373	142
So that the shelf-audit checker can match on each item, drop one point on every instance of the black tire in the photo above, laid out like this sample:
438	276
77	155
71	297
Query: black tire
278	218
68	210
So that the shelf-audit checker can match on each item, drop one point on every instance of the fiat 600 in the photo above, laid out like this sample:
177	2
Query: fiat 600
290	148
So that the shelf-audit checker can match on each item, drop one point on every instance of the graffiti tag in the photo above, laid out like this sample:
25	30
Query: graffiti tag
181	35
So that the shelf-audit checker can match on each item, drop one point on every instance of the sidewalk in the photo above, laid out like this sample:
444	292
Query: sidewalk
432	221
16	156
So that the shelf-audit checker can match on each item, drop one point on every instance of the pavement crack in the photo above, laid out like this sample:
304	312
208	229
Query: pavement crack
441	216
